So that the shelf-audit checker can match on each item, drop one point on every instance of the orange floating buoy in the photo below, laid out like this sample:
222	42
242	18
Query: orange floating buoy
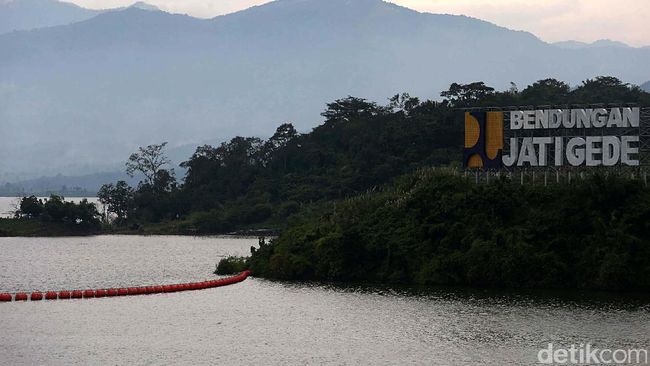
78	294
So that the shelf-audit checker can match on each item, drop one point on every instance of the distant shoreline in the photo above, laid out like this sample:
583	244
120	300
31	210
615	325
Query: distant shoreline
30	228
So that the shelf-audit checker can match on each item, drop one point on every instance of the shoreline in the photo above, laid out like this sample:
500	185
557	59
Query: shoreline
29	228
572	294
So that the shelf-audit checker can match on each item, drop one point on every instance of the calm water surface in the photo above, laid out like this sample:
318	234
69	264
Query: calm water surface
273	323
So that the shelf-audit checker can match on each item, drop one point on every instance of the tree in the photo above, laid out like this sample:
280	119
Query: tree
31	207
118	198
547	91
283	134
281	138
148	161
460	95
350	108
403	102
606	89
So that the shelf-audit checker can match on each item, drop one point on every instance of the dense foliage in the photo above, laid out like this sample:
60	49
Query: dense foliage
82	215
249	182
437	228
231	265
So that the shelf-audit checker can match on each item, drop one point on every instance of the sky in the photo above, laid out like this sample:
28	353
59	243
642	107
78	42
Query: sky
551	20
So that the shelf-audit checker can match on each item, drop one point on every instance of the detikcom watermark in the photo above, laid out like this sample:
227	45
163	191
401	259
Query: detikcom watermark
586	354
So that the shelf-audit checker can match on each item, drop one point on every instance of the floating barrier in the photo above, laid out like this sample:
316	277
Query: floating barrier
130	291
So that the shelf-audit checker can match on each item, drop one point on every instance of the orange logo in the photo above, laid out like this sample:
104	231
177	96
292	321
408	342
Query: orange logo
483	140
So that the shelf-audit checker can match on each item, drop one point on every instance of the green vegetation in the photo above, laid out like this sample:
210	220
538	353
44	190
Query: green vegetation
436	228
250	183
231	265
52	217
356	199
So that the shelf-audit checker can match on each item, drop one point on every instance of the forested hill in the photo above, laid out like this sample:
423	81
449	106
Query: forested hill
438	229
133	77
252	183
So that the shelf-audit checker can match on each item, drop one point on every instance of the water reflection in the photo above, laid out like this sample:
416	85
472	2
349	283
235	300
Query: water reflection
278	323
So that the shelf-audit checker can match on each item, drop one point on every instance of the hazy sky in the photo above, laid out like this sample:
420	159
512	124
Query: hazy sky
551	20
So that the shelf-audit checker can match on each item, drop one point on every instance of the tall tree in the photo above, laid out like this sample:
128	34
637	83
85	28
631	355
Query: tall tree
347	109
148	161
460	95
118	198
547	91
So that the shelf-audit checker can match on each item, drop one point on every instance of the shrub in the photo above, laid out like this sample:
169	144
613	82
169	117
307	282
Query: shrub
231	265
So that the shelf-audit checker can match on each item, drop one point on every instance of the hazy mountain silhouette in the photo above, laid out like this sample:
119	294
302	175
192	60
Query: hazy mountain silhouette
600	43
79	98
32	14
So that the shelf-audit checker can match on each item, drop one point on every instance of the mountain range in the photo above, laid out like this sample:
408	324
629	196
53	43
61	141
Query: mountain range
574	45
17	15
78	98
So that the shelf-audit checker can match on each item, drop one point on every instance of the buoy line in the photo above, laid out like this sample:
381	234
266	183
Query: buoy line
130	291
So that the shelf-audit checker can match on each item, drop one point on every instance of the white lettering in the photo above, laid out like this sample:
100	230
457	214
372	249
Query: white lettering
541	142
631	117
627	150
611	150
527	153
615	118
575	152
594	148
516	120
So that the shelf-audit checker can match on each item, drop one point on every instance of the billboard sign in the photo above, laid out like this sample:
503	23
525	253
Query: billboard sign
584	137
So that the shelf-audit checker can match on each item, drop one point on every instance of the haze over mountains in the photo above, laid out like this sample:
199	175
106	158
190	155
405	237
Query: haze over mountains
78	98
600	43
16	15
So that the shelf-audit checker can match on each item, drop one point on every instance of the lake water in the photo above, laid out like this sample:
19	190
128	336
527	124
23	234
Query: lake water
8	205
274	323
